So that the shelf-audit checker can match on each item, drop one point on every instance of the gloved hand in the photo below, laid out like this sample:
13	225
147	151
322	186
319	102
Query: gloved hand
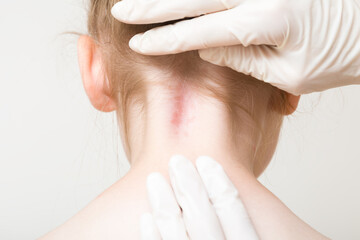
223	218
300	46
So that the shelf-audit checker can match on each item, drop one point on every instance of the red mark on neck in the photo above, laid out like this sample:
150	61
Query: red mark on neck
178	109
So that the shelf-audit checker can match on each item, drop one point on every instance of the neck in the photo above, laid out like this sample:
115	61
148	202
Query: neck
181	121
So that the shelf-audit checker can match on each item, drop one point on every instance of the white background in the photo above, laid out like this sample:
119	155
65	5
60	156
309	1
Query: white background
57	153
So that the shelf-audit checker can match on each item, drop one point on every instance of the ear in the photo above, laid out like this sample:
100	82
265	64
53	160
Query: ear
293	102
93	75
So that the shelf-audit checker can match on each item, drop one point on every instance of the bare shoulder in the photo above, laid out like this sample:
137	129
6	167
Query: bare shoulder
114	215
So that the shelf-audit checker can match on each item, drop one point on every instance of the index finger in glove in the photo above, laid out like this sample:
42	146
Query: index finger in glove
166	211
224	196
199	216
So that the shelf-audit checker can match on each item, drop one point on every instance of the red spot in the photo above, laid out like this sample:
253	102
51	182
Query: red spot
178	111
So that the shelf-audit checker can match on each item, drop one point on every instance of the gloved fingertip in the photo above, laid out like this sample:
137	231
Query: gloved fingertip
177	161
135	43
155	179
205	163
210	54
120	10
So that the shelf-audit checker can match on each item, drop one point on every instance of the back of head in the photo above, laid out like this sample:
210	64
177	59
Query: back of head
130	73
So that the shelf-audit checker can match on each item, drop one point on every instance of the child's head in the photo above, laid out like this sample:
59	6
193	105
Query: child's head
115	78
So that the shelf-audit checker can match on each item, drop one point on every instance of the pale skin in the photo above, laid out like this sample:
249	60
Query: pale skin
185	123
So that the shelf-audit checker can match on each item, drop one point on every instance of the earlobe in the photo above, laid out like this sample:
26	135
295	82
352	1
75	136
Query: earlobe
293	102
93	75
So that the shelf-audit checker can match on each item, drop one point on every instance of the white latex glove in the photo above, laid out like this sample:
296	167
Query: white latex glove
300	46
211	207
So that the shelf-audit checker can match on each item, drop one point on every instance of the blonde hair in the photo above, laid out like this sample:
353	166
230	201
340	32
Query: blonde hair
126	72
